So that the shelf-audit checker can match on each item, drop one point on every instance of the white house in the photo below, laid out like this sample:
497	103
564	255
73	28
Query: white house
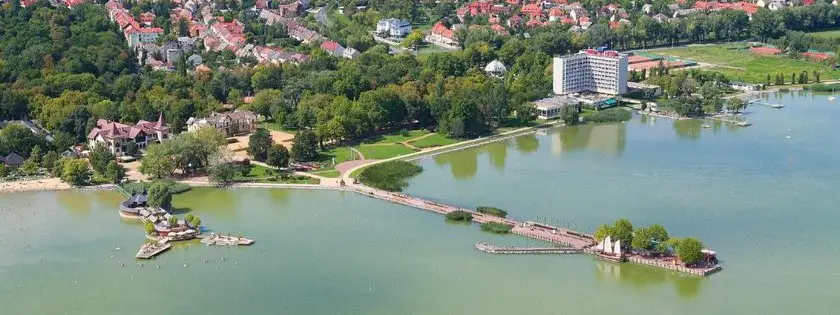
393	27
234	123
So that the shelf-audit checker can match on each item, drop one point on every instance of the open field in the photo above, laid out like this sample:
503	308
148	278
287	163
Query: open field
827	34
378	152
396	137
435	140
741	65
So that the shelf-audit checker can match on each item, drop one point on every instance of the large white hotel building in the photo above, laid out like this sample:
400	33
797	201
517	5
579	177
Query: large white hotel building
599	71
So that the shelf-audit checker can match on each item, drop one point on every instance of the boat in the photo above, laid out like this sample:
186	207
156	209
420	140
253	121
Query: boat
707	126
743	123
831	98
777	105
149	250
609	251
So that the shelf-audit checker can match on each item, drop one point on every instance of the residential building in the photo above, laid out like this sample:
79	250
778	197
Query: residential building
393	27
600	71
350	53
333	48
13	160
116	137
238	122
440	34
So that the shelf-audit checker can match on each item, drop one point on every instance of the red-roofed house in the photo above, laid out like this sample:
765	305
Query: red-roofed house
72	3
555	14
514	21
116	136
230	33
534	22
333	48
532	10
442	35
147	18
499	29
27	3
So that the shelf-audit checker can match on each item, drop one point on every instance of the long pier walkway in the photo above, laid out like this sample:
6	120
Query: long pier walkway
538	231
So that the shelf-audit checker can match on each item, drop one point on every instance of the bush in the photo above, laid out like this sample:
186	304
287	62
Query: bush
495	227
389	176
822	87
496	212
459	215
139	187
609	115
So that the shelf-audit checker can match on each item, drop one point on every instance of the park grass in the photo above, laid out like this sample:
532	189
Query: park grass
396	137
826	34
435	140
750	67
258	171
340	154
379	152
331	173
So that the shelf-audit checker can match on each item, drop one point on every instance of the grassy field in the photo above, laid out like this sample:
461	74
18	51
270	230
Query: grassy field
827	34
379	152
328	173
435	140
741	65
396	137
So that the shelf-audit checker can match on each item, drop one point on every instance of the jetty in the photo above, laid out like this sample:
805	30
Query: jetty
149	250
493	249
225	240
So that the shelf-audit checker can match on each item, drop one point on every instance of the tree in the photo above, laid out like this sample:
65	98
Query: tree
4	170
658	234
413	40
603	231
159	195
149	227
570	115
623	230
29	167
49	159
278	156
526	112
75	172
157	162
735	104
642	240
259	144
99	158
223	173
173	221
35	155
689	250
305	146
131	149
114	172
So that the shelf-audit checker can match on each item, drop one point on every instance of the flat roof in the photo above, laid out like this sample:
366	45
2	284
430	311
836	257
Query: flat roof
640	85
556	101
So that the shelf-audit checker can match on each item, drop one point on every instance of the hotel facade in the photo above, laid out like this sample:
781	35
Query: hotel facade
599	71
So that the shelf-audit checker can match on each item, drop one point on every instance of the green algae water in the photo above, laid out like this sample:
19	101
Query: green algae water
764	201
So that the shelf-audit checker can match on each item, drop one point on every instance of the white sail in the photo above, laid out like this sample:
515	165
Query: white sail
600	246
617	249
608	245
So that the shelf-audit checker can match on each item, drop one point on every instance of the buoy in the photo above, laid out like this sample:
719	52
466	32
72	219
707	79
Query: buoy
157	267
185	265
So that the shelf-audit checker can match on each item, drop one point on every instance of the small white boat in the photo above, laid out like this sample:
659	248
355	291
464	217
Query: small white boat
707	126
831	98
777	105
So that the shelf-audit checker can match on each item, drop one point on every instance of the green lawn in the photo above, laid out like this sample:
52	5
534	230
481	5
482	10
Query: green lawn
328	173
435	140
340	154
827	34
397	137
748	67
258	171
379	152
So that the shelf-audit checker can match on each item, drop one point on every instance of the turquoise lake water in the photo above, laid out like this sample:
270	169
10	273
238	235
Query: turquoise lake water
765	202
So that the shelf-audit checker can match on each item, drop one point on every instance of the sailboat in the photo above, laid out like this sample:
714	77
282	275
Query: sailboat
607	245
608	250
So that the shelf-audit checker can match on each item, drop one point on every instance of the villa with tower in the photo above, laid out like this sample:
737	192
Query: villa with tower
117	137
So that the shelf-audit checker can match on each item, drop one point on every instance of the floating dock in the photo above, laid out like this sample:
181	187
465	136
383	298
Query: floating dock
493	249
149	250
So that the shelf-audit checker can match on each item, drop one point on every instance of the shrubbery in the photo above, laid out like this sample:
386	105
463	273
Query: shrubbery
139	187
459	215
609	115
389	176
822	87
492	211
496	227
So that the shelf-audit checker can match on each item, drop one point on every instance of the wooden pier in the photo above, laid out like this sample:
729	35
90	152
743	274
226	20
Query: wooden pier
493	249
149	250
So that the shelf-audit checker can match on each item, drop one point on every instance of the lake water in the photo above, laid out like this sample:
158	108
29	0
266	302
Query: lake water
766	203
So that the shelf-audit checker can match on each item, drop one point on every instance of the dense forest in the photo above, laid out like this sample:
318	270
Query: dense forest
67	68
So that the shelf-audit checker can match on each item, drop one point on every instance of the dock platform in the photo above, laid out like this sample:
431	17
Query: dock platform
149	250
493	249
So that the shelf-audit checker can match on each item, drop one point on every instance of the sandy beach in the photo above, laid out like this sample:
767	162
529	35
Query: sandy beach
33	185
